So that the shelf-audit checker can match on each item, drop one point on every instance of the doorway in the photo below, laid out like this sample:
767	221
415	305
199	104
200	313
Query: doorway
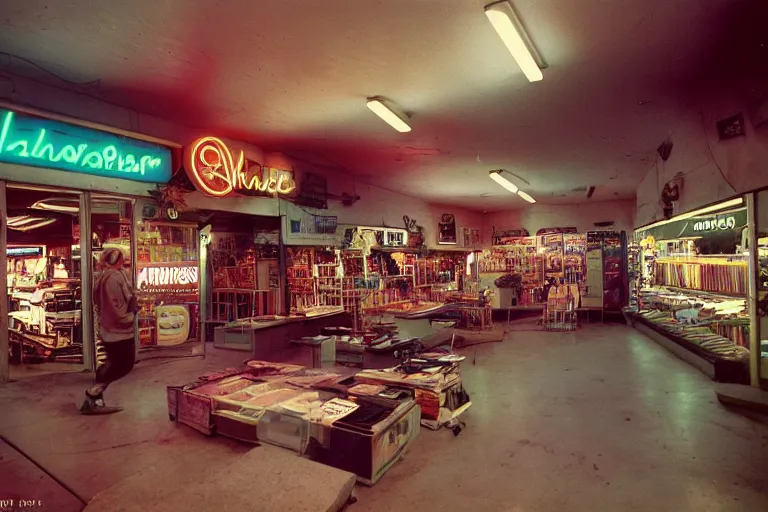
46	322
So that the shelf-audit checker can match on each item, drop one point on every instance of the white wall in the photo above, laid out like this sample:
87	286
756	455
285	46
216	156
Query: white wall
582	216
712	170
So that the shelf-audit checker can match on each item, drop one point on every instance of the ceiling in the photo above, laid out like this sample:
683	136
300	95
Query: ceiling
293	76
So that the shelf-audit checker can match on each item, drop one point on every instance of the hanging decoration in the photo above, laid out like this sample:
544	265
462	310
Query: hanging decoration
670	195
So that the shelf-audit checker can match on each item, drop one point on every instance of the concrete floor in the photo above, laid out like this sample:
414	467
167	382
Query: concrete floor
600	419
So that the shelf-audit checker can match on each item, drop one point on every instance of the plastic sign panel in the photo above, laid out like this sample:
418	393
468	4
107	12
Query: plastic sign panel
217	172
169	278
40	142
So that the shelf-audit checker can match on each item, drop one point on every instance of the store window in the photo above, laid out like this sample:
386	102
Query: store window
44	277
168	284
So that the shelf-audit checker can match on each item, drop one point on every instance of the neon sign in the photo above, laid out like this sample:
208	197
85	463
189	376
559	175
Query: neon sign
217	173
39	142
168	277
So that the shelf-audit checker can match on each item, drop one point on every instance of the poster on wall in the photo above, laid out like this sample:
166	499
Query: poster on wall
553	252
446	230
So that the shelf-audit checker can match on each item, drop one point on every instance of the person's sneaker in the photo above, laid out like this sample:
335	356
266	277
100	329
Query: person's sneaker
92	403
93	406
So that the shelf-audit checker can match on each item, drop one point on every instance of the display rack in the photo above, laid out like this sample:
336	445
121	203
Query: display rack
690	285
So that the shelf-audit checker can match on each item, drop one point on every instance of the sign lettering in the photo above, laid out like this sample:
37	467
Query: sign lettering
168	277
216	172
715	224
39	142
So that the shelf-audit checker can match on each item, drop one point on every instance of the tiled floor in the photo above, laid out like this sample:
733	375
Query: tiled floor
601	419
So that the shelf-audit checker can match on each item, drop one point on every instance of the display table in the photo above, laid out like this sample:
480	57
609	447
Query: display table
265	336
307	411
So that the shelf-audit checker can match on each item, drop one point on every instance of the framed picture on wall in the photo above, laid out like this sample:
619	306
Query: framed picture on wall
446	230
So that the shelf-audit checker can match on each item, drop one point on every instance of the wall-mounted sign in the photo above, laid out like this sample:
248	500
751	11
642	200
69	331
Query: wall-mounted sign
326	225
528	241
40	142
716	224
500	236
217	172
446	229
169	278
24	251
553	231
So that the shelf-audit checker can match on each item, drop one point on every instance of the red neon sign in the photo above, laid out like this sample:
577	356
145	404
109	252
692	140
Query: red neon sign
217	173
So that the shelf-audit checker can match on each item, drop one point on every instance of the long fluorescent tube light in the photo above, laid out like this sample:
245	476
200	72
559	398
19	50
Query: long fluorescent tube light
707	209
504	182
388	115
508	26
39	223
54	207
526	196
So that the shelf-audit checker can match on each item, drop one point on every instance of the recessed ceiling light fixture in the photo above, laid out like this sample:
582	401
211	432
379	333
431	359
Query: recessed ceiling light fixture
503	18
501	180
395	119
526	196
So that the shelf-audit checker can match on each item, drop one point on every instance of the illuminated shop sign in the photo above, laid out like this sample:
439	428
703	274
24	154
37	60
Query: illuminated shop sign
216	172
716	224
163	278
24	251
39	142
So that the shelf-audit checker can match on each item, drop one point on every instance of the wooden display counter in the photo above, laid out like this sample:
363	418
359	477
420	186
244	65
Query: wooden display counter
265	336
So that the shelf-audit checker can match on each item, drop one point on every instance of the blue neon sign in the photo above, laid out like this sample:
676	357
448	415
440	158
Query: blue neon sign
38	142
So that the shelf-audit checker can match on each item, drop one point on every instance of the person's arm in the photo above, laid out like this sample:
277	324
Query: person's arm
118	295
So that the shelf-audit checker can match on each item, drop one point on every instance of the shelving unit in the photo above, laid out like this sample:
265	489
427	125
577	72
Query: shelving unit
717	275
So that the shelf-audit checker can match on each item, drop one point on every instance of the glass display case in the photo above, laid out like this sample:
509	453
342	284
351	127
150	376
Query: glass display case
689	277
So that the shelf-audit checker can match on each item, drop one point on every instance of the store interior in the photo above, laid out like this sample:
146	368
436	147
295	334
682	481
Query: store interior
45	270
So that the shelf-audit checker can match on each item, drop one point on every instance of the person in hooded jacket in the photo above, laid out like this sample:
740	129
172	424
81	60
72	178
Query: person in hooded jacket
115	307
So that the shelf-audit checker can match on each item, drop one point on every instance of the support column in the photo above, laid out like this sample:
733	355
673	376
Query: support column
86	282
4	342
753	272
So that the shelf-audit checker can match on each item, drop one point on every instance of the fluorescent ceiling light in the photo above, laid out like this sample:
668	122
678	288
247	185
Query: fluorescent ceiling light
508	26
526	196
29	226
504	182
701	211
397	122
21	220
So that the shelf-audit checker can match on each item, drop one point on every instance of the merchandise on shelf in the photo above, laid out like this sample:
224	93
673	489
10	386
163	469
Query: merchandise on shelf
689	282
168	283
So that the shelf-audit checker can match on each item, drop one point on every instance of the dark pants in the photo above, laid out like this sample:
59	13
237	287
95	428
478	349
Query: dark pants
121	356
